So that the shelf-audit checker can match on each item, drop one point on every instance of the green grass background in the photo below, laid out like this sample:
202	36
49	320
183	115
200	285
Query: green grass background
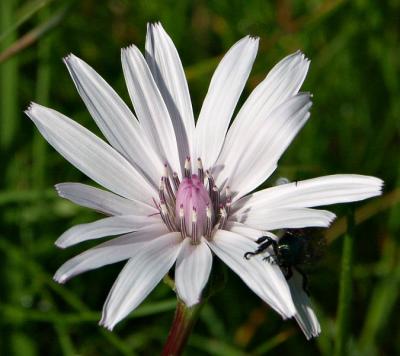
354	128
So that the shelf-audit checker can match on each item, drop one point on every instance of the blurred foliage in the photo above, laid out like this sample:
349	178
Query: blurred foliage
354	128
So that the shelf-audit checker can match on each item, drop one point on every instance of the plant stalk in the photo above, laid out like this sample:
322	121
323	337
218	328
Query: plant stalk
181	327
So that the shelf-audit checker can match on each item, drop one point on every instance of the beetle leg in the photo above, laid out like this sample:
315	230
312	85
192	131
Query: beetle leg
261	248
288	273
262	239
305	281
270	259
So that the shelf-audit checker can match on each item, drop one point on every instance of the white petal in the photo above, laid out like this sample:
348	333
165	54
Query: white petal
115	250
114	118
338	188
305	316
260	150
111	226
150	107
101	200
281	83
290	218
264	279
139	277
90	154
192	270
223	94
249	232
166	67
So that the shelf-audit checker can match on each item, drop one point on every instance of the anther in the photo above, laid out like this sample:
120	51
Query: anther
188	169
165	170
200	170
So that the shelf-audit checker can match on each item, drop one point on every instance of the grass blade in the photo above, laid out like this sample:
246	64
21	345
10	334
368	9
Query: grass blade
345	292
8	81
23	15
33	36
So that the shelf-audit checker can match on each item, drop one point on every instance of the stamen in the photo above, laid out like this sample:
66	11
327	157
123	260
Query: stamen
161	192
215	198
208	223
167	183
194	227
182	222
168	187
222	220
163	200
176	181
156	204
166	217
165	170
210	183
188	168
200	170
160	212
228	201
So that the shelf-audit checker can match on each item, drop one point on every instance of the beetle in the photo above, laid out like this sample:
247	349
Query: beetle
294	250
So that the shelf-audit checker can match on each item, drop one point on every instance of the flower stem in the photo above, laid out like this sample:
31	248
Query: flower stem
184	320
345	292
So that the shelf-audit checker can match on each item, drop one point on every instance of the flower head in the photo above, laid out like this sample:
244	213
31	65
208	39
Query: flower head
178	192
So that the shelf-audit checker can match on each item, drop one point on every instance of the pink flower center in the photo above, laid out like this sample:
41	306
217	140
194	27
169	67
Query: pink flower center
193	198
192	206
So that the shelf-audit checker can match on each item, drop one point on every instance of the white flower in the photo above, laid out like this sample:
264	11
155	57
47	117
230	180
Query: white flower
178	193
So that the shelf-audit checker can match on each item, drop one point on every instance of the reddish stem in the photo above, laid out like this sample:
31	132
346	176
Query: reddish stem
181	327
